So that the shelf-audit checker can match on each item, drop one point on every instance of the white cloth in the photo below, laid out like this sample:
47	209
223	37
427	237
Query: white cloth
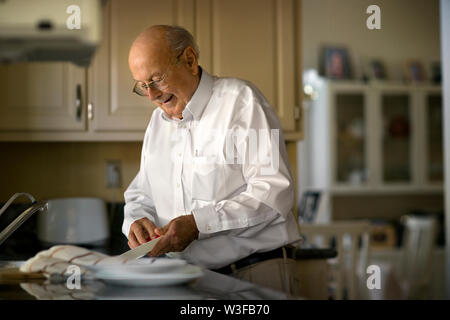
58	259
240	206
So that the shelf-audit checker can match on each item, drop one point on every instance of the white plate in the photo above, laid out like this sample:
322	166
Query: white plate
182	275
144	265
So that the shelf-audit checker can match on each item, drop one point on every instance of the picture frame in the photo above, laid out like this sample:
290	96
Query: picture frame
436	72
414	71
309	206
377	70
334	63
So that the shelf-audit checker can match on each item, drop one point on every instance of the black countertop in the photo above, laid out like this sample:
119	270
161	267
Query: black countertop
315	253
211	285
24	244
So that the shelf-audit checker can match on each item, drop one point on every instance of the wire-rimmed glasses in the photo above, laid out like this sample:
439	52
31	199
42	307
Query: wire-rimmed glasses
142	87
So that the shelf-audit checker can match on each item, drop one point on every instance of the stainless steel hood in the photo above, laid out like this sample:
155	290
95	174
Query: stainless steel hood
49	30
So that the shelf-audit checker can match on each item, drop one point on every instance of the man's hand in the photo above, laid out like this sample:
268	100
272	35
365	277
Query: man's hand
177	235
141	231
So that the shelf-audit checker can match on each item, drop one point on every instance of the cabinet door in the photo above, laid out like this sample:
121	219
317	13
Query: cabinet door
398	135
115	107
434	162
350	145
42	96
252	40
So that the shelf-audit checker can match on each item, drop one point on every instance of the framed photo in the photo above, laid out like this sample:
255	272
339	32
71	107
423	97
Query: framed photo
377	70
335	63
436	76
309	206
414	71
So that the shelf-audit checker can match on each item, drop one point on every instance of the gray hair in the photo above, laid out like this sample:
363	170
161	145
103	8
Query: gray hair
179	39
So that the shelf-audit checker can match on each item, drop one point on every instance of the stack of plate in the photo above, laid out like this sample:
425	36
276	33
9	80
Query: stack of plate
147	272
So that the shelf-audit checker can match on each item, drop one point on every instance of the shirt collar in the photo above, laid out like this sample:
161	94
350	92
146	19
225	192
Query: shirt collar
199	99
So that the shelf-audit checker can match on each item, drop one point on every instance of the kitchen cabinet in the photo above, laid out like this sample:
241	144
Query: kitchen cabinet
256	40
42	96
251	39
115	107
379	137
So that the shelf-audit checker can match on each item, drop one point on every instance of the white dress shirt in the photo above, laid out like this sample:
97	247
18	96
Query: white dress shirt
208	164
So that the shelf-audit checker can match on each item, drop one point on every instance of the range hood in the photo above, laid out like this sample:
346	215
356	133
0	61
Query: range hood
49	30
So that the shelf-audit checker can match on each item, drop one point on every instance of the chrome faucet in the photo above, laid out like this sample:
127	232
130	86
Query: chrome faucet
35	206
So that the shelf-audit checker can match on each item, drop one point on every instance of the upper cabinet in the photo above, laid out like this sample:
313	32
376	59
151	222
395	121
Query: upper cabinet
256	40
375	137
253	40
431	121
115	107
42	96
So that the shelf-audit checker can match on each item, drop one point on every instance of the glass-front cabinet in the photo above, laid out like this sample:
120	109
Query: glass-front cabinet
375	137
350	138
396	139
433	144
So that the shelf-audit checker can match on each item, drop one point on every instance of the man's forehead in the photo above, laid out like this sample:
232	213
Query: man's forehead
147	62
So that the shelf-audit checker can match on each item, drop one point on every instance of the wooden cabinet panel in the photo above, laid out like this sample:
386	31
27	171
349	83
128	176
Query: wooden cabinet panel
116	108
254	40
251	39
42	96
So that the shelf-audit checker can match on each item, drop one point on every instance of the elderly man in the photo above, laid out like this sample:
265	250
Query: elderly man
205	185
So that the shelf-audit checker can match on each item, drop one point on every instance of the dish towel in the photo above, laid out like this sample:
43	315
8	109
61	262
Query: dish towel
58	259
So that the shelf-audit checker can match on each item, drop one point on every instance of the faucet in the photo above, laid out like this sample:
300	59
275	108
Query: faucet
35	206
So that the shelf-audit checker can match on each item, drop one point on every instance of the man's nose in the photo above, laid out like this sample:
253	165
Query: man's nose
153	93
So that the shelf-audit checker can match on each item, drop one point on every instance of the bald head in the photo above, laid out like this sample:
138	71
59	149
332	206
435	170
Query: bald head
168	53
150	46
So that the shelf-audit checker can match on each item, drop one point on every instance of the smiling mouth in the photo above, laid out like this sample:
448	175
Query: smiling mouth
169	99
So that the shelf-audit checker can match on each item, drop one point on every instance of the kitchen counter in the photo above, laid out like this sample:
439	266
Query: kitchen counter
211	285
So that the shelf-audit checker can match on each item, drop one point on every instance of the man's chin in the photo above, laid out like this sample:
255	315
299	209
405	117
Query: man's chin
171	114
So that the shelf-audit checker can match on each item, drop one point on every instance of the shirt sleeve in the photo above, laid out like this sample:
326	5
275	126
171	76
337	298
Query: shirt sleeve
269	194
138	197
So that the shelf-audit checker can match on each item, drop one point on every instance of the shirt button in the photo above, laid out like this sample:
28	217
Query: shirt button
178	185
208	228
179	154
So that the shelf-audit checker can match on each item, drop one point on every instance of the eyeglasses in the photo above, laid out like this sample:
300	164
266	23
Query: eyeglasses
142	87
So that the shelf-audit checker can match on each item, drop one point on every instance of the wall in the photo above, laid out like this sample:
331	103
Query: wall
65	169
409	29
72	169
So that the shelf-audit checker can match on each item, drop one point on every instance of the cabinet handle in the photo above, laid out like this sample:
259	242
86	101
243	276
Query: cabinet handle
90	111
78	103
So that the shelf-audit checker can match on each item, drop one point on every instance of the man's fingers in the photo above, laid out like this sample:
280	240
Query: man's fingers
163	246
141	234
150	228
162	231
159	231
132	241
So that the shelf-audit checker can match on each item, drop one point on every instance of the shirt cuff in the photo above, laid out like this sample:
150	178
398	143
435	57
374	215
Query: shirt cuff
203	217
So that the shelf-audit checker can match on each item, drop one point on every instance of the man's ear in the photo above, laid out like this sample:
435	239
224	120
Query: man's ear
191	59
